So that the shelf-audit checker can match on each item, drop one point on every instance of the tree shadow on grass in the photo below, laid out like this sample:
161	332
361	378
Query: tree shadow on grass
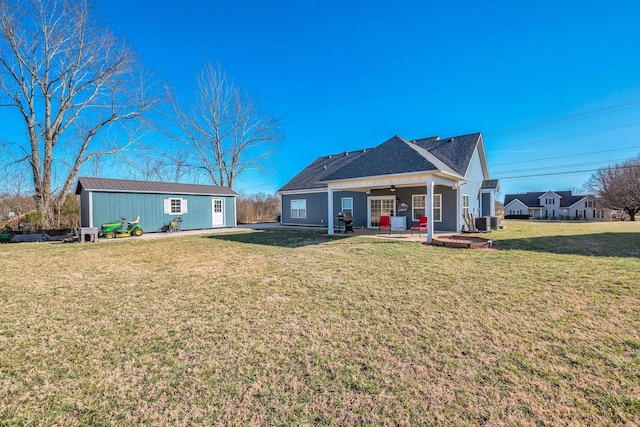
622	245
279	237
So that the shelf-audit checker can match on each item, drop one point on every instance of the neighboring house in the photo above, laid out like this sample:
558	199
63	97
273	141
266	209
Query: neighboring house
442	179
555	205
201	206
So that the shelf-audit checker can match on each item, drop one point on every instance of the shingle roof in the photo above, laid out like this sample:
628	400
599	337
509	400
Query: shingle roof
454	151
130	186
394	156
490	184
311	177
532	199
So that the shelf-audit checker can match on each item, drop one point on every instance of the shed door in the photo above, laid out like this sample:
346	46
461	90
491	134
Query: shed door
218	212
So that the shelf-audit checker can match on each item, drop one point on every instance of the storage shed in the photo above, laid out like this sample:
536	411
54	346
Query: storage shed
201	206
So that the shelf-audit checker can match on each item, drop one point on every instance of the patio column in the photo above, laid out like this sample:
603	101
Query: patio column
458	208
330	210
429	209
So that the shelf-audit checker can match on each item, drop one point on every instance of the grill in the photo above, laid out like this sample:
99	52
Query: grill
346	220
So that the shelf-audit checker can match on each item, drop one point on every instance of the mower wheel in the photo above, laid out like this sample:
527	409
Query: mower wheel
109	235
138	232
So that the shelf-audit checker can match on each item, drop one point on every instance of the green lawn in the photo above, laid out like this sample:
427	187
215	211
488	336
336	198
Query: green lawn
298	328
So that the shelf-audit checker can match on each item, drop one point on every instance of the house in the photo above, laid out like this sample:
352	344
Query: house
555	205
201	206
442	179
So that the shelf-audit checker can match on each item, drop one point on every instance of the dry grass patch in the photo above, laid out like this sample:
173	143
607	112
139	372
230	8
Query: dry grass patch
296	327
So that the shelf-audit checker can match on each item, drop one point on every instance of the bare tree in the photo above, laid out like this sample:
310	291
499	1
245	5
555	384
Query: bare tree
619	186
226	131
69	81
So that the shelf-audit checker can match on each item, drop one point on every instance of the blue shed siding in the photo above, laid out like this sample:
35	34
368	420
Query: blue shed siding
109	206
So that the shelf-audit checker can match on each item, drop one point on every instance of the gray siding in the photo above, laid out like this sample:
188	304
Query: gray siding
317	208
108	206
472	186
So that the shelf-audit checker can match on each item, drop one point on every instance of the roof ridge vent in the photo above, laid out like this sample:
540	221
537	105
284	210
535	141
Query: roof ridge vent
330	156
451	139
346	153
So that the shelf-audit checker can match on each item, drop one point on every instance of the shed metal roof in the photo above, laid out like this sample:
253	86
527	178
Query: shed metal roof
131	186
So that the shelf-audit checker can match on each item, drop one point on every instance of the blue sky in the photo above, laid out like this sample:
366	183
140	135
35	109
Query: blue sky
350	75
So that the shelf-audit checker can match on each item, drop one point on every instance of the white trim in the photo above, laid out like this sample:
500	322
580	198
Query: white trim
549	192
439	197
167	193
330	210
342	208
588	195
406	179
213	211
523	204
90	193
369	198
235	212
294	192
413	203
297	209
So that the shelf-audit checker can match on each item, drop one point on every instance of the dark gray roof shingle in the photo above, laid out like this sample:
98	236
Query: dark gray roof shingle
311	177
130	186
394	156
490	184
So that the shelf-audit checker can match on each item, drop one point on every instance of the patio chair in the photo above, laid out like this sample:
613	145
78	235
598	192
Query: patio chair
385	223
422	225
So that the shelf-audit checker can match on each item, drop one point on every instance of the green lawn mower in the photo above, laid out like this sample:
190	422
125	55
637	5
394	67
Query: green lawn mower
121	228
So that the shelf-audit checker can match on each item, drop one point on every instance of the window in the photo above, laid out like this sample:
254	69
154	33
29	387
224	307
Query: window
175	206
465	205
418	206
347	205
437	207
299	208
589	204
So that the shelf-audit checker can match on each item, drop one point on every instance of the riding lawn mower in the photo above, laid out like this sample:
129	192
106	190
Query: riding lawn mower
121	228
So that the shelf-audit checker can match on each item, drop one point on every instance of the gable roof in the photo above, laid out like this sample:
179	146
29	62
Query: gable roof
490	184
394	156
131	186
311	177
454	151
532	199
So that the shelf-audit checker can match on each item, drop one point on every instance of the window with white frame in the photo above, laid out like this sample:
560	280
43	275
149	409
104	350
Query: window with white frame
418	206
437	207
299	208
347	205
175	206
465	205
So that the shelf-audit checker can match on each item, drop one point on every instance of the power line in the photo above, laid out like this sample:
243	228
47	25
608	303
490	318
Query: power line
574	135
569	155
562	173
571	117
562	166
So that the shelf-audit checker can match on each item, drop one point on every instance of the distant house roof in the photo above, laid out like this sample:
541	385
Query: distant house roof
130	186
532	199
394	156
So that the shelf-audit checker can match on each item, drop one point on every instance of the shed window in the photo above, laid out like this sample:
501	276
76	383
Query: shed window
299	208
175	206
